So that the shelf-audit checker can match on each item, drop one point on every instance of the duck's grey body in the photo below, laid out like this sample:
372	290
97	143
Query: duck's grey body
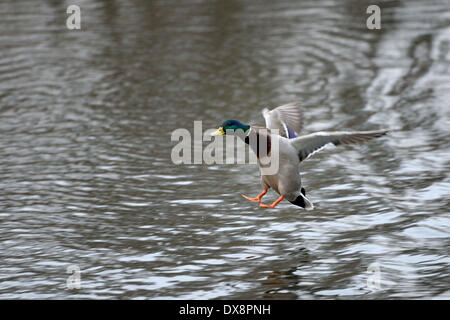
286	181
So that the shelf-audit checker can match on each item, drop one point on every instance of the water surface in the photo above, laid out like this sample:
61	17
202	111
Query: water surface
86	176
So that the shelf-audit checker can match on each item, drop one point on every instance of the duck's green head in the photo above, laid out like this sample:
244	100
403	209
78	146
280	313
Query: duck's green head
230	125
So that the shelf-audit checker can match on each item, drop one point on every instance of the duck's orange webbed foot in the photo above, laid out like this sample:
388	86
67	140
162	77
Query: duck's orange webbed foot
258	198
263	205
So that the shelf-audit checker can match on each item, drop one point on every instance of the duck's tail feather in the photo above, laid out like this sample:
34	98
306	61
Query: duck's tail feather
303	201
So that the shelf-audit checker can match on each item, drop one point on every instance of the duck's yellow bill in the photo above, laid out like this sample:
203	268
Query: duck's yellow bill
218	132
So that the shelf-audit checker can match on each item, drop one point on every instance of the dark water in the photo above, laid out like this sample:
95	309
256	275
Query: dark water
86	176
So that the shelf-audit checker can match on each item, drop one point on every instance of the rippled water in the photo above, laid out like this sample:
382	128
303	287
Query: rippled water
86	177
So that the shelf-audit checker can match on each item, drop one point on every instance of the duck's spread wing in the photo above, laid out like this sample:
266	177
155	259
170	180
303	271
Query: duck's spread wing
288	119
311	143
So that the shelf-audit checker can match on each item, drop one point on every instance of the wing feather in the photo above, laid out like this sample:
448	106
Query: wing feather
287	118
309	144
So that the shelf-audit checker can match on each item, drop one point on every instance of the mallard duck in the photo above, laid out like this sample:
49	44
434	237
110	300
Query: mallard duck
287	121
